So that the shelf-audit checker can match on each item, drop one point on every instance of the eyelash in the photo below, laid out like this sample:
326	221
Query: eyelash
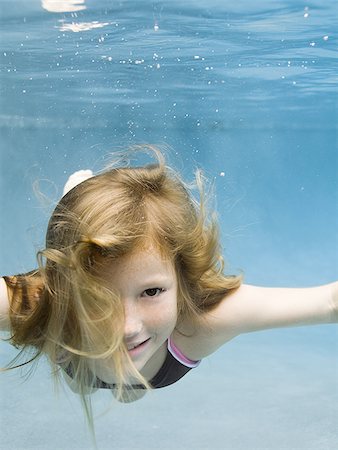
161	290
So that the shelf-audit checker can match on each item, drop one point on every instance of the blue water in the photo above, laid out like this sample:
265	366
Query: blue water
246	90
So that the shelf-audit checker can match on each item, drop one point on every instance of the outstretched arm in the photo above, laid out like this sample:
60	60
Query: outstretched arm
19	295
253	308
4	305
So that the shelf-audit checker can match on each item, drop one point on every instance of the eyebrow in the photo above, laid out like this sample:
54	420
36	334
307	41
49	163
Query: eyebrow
156	280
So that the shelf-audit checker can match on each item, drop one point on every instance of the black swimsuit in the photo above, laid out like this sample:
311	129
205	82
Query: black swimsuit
175	366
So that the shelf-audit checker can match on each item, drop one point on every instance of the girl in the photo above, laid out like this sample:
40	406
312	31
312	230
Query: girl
130	293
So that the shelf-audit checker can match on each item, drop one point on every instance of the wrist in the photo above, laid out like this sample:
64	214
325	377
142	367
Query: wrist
334	301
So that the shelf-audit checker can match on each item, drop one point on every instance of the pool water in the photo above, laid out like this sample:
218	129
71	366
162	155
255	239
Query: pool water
249	92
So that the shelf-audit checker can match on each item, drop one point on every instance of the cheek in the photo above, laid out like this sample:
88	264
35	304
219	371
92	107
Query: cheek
163	315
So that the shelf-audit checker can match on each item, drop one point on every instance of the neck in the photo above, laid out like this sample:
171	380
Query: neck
155	362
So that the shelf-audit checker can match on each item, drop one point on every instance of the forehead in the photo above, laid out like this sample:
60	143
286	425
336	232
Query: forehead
141	262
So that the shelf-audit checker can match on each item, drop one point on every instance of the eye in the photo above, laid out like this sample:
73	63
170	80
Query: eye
153	292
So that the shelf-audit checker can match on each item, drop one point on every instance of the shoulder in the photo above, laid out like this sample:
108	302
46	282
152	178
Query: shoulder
214	328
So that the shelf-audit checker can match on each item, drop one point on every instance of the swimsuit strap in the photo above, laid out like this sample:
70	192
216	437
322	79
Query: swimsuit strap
178	355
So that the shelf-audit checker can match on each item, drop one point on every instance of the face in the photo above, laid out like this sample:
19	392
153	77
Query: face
147	285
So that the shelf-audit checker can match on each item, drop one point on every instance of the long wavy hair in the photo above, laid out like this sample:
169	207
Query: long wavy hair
76	318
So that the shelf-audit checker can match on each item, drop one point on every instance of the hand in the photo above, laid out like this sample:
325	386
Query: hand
335	301
77	178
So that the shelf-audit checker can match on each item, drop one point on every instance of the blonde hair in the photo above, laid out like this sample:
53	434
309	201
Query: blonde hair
78	318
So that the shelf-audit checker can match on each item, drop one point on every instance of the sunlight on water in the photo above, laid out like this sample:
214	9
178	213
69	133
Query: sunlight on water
82	26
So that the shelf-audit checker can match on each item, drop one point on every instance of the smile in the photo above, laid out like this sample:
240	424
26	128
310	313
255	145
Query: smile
132	348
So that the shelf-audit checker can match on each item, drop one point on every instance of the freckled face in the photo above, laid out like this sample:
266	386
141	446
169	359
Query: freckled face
148	287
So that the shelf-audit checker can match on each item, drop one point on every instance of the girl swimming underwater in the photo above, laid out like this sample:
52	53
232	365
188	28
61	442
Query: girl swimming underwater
130	293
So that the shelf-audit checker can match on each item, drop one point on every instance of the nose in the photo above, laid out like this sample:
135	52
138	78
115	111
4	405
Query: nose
133	321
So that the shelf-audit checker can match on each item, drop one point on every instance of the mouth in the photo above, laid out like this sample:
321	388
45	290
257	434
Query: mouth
136	345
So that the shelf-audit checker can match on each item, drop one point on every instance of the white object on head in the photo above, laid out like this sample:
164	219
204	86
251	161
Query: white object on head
63	5
76	178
